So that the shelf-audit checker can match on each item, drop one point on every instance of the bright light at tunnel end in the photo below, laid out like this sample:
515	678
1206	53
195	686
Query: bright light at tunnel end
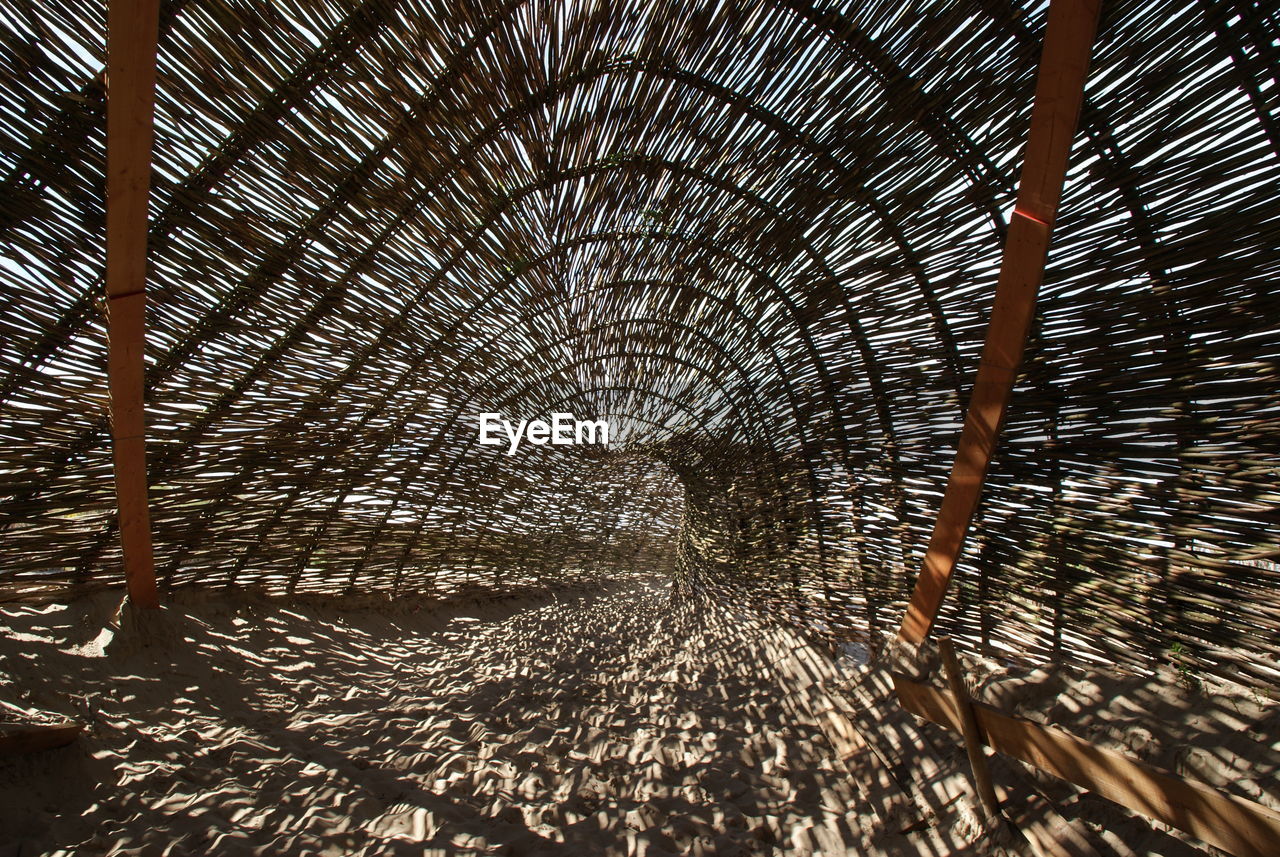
563	429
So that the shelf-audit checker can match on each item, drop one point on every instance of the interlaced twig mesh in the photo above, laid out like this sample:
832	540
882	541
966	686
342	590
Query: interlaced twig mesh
760	239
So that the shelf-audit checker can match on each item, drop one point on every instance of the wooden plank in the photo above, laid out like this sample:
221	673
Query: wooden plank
132	27
1064	65
969	729
1238	826
17	738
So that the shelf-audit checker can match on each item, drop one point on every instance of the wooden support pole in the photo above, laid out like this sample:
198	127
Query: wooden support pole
1064	65
1236	825
972	738
132	31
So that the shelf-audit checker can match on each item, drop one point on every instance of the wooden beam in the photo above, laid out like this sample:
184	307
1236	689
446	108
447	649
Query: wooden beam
132	30
1064	64
1237	826
18	738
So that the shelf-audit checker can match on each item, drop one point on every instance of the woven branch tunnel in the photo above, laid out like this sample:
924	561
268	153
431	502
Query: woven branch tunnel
760	239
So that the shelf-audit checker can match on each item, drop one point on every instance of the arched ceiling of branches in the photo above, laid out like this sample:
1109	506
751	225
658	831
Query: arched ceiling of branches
760	239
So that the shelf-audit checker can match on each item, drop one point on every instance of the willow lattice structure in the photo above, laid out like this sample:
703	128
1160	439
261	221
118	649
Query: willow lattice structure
760	239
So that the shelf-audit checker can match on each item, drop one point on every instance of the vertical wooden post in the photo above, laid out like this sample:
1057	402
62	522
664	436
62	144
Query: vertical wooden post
972	737
1064	64
132	31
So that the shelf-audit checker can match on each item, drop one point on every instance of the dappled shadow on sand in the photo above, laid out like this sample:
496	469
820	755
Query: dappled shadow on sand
613	722
605	723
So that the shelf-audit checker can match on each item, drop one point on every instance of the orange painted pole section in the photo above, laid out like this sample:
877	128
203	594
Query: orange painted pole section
132	27
1064	64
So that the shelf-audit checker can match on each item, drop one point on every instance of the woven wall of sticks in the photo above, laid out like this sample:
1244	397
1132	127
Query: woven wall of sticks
761	239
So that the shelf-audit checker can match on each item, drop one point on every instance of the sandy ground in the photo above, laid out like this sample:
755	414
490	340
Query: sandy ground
590	724
609	723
